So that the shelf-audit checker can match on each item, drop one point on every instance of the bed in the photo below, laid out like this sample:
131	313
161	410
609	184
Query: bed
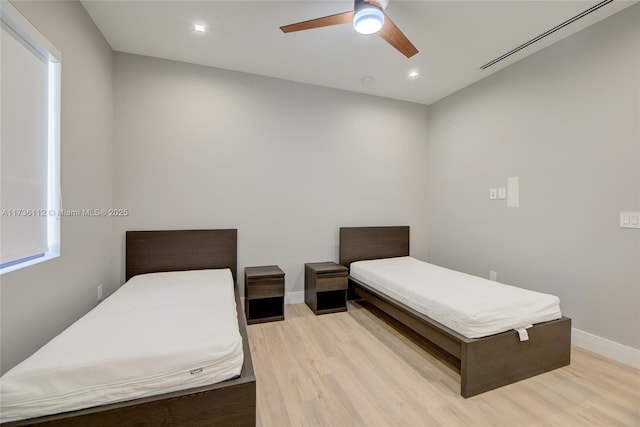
485	363
153	259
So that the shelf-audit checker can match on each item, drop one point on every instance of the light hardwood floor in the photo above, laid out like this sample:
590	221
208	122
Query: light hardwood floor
358	368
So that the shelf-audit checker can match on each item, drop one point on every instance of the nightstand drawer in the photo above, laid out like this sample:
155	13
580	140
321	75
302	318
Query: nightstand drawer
331	283
265	288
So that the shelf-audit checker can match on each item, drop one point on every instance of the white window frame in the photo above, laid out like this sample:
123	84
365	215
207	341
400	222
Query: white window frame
11	17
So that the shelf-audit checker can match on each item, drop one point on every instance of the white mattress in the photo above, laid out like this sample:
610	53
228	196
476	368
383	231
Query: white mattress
158	333
470	305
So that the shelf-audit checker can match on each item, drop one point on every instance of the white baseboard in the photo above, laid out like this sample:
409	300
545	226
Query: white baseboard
294	297
604	347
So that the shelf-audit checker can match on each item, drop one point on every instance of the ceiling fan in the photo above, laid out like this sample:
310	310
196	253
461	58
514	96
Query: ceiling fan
368	17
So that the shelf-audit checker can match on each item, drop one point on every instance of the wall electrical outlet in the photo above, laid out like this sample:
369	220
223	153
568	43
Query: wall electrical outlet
99	291
493	275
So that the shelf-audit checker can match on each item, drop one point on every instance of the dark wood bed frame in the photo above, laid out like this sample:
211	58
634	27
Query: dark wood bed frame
228	403
485	363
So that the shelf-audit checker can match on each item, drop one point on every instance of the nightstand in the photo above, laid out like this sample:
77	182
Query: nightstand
325	287
264	294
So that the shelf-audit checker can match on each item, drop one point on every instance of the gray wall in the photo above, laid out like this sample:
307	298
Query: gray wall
38	302
285	163
566	121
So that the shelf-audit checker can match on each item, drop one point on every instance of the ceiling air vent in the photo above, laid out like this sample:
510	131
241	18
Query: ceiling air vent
547	33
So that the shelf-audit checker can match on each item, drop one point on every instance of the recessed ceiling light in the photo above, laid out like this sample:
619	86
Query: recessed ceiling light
414	74
199	28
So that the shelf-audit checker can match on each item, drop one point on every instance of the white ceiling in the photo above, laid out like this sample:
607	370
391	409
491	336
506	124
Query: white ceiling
454	38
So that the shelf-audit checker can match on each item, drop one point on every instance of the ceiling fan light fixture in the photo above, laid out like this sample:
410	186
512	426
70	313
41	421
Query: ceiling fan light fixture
368	19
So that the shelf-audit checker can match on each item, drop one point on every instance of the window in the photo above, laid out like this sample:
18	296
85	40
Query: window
29	143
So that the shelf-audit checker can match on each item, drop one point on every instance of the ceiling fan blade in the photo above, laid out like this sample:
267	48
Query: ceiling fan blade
340	18
392	35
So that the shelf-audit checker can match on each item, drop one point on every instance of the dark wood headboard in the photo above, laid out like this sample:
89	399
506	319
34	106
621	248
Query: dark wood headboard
179	250
362	243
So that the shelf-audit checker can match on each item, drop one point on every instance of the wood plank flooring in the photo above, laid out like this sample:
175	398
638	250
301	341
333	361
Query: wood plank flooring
359	368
